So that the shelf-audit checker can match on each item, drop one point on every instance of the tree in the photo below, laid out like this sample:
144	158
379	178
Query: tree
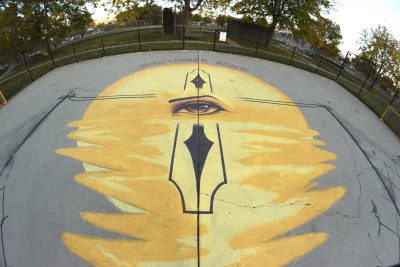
386	82
189	6
262	22
149	11
32	19
285	14
188	9
323	34
128	15
221	20
362	65
10	23
380	46
247	18
207	19
197	18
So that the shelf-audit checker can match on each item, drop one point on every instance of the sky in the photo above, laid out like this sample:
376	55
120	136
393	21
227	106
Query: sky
355	15
352	16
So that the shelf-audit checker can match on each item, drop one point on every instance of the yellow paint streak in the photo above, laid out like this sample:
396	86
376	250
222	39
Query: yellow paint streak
282	249
124	252
125	207
271	157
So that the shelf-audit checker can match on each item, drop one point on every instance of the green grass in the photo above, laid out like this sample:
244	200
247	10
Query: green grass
121	38
234	50
162	46
302	65
12	86
122	49
158	37
88	45
376	104
244	43
17	69
199	46
395	103
273	57
349	86
90	54
64	56
40	71
393	121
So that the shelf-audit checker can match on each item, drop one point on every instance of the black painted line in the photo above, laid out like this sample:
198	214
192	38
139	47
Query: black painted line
30	134
272	102
209	79
198	155
198	61
1	229
365	155
172	167
277	101
282	104
190	97
197	212
223	170
184	87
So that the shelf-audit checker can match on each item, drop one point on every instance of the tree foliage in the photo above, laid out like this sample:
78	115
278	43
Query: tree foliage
284	14
378	45
32	19
207	19
148	11
221	20
197	18
189	6
323	34
247	18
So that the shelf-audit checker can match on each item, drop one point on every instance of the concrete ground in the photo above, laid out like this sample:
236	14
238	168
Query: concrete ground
356	191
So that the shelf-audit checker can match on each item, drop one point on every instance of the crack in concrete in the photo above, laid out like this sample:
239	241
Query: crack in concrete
285	205
370	242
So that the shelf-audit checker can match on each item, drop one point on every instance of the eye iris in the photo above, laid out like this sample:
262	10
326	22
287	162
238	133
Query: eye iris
200	108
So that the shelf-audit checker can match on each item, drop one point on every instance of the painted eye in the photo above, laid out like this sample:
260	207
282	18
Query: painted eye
201	108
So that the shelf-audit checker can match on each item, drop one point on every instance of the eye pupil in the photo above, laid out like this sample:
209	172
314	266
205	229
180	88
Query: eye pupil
198	107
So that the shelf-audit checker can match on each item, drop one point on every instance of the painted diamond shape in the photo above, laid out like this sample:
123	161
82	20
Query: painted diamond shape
198	82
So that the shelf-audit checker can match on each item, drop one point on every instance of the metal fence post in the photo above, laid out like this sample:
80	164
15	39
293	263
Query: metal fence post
102	44
215	39
394	97
319	64
140	43
362	87
73	49
294	51
183	37
258	44
51	55
26	65
341	68
376	76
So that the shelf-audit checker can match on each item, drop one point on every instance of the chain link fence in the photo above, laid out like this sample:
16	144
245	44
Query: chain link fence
373	85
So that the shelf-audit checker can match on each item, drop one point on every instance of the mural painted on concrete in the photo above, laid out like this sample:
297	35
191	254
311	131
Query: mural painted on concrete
207	166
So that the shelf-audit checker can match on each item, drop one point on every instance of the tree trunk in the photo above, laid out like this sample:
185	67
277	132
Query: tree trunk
271	31
187	15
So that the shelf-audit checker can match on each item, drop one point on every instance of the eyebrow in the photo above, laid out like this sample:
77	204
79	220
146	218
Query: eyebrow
189	97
